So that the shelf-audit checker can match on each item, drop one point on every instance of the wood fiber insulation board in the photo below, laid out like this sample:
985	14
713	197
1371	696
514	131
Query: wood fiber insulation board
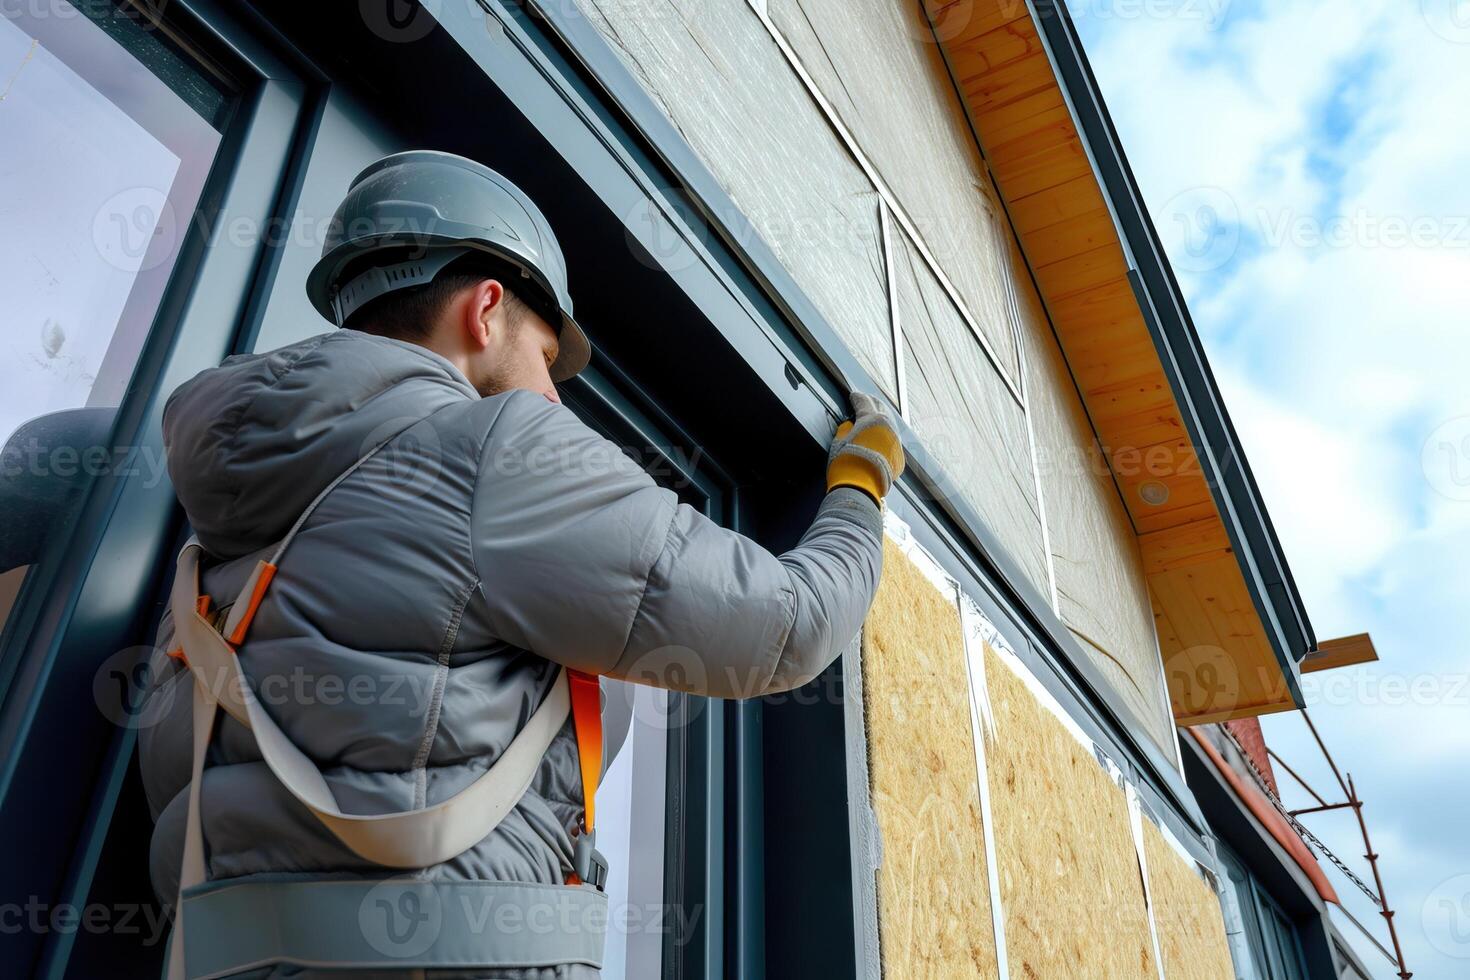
933	898
718	76
1102	591
1069	877
877	64
965	417
1187	914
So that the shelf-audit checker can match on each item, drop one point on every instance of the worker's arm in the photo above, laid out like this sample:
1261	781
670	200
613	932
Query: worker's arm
585	561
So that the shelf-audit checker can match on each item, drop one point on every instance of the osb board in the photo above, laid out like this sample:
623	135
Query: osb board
1187	915
933	900
1069	877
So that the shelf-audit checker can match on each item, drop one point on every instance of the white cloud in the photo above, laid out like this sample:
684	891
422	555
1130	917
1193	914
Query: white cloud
1329	136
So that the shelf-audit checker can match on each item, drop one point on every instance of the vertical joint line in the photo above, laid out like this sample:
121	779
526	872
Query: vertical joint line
895	325
983	727
1013	312
885	193
1135	821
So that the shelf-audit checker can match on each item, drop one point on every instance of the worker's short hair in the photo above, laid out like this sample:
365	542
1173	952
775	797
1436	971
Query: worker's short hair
410	314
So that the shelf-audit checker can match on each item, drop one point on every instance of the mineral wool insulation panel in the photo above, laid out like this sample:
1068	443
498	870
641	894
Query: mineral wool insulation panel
1069	877
933	897
1187	914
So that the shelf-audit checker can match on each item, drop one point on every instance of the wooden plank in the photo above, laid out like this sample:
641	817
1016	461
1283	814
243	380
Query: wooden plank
1044	132
1345	651
1042	171
1111	304
1145	427
956	22
1002	122
1045	208
1079	273
1189	497
1279	704
1232	665
1187	544
986	88
1082	234
1002	46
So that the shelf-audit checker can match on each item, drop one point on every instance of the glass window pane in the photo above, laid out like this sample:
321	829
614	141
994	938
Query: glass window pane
104	163
1241	925
631	803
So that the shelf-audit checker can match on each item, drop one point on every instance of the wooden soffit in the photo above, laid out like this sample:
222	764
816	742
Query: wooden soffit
1218	655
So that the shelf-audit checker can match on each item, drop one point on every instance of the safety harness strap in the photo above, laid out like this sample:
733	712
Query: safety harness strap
409	839
586	693
391	926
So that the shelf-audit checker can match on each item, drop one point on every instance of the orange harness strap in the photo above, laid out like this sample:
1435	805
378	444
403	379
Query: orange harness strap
586	694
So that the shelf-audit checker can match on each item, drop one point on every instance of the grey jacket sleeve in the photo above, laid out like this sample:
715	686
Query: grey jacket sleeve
583	560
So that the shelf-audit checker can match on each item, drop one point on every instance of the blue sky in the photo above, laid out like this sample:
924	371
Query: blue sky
1308	165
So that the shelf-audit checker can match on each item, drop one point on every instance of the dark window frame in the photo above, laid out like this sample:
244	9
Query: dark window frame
98	587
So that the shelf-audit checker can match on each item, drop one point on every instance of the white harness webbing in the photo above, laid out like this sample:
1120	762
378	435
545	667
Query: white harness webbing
408	839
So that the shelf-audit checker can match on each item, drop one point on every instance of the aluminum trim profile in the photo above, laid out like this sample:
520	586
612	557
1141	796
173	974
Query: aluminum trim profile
862	821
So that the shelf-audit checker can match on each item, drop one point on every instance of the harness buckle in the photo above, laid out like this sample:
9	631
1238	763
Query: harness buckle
588	864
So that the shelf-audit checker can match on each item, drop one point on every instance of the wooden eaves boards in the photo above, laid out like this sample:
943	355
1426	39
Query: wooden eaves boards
1217	653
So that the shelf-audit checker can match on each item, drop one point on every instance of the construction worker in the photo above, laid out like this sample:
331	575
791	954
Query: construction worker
376	693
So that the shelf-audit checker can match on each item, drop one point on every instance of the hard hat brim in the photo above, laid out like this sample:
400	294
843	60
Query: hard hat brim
574	351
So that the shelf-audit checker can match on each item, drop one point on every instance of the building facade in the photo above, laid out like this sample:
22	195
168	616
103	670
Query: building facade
763	204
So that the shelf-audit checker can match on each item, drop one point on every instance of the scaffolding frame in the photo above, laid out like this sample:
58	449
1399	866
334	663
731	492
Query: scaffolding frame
1350	801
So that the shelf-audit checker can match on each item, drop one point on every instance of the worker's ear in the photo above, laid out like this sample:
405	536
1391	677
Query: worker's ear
481	311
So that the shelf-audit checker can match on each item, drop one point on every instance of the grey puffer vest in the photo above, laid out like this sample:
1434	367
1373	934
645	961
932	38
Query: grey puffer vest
422	611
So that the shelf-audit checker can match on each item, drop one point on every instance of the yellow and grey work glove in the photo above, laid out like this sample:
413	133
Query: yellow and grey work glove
866	453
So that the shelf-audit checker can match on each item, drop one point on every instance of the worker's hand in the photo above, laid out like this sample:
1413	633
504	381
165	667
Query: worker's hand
866	453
